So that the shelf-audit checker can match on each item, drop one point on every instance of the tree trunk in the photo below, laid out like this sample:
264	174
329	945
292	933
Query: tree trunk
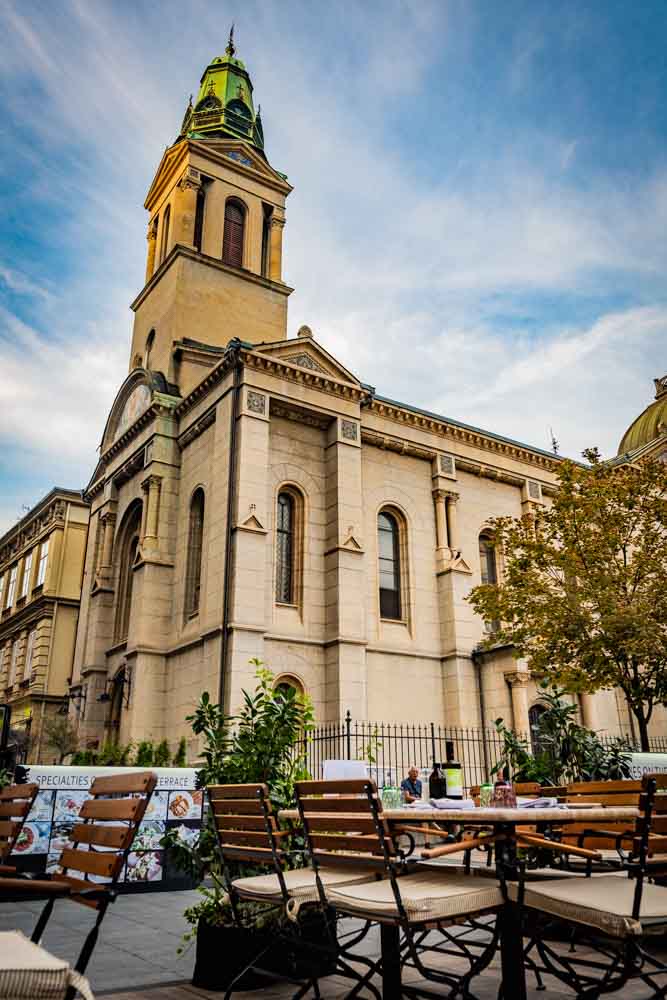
642	722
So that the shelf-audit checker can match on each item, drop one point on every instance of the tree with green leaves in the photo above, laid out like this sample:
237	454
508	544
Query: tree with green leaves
583	593
60	736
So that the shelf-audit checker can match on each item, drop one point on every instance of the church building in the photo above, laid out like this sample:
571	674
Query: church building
255	500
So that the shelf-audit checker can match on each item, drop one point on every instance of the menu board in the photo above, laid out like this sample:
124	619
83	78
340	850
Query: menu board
174	805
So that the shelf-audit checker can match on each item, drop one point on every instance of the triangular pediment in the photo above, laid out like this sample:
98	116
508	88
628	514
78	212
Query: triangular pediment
241	155
305	352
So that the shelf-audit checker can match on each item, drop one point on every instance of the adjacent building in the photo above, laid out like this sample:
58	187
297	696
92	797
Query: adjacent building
41	568
255	499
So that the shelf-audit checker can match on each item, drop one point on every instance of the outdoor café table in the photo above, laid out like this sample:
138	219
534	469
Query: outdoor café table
29	972
503	821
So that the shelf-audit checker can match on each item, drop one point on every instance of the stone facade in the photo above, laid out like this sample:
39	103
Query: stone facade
222	414
41	566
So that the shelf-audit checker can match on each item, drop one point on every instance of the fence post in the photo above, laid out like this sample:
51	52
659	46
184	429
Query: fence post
348	736
432	743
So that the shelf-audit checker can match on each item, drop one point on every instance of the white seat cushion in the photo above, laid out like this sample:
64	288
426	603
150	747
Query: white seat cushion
426	896
604	902
300	883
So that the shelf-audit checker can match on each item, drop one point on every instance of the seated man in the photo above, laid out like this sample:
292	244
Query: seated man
412	786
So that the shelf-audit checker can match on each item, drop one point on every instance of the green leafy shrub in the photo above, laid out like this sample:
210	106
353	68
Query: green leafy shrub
180	757
564	750
162	756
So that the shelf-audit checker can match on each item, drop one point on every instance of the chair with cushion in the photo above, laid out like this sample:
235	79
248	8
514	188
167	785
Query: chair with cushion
91	867
248	835
613	914
15	804
345	830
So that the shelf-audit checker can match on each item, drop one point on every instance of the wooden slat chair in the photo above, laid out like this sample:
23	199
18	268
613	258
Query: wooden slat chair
345	828
611	914
248	833
15	804
101	843
612	840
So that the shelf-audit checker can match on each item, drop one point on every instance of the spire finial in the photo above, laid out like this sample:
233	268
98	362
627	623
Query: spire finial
231	48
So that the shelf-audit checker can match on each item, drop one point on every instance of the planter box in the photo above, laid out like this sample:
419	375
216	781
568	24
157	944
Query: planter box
223	952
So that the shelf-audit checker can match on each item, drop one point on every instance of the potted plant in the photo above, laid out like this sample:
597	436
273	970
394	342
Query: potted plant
265	742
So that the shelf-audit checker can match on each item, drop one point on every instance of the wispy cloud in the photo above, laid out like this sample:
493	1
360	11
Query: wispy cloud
451	244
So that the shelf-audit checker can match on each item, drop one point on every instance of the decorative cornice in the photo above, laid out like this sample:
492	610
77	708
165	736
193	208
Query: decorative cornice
181	250
467	435
197	428
48	514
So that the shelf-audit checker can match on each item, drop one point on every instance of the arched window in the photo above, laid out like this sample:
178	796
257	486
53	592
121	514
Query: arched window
285	548
129	545
489	569
195	539
150	340
164	245
287	683
266	240
389	559
232	243
199	218
535	712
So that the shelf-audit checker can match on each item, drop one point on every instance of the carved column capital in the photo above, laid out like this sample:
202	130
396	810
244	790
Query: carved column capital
277	222
518	678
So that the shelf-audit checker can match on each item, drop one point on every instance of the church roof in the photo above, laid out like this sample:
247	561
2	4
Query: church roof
649	425
224	106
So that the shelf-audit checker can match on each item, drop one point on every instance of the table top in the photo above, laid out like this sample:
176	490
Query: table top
491	816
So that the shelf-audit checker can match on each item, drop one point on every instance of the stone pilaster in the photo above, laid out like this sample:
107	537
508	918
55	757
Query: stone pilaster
151	237
276	248
518	681
344	573
186	207
251	518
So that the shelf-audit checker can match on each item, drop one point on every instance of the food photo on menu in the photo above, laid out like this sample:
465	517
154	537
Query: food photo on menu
33	839
144	866
185	805
157	806
187	833
68	804
42	807
149	836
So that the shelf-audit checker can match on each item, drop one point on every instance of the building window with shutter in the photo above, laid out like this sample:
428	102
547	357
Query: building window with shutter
389	565
199	219
195	542
489	569
27	572
11	586
164	244
128	548
29	654
13	660
43	560
232	243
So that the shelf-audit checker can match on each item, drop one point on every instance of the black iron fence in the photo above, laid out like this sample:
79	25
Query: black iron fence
391	748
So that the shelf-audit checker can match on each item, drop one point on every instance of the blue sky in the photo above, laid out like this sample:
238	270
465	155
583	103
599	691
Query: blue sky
478	226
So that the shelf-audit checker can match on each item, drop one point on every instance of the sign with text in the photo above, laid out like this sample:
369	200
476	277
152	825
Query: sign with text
176	804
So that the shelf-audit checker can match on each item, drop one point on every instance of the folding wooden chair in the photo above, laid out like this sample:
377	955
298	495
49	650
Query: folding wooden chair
345	828
15	804
613	915
101	842
248	834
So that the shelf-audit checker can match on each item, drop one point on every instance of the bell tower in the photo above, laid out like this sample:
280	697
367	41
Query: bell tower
216	217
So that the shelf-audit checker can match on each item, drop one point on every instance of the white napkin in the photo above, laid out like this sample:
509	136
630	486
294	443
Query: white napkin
452	803
542	803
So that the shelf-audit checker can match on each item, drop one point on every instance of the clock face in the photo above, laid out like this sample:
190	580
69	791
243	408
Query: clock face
135	405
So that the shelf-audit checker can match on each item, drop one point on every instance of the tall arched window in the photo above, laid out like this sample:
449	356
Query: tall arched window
534	714
199	218
285	548
164	245
232	242
150	340
129	545
489	569
389	558
195	541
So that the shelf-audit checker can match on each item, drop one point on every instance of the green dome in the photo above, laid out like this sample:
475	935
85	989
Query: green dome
650	424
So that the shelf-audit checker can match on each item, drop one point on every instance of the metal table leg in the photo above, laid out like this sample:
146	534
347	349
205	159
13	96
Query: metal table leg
391	962
513	985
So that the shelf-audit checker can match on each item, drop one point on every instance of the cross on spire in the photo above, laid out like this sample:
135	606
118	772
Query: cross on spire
231	48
